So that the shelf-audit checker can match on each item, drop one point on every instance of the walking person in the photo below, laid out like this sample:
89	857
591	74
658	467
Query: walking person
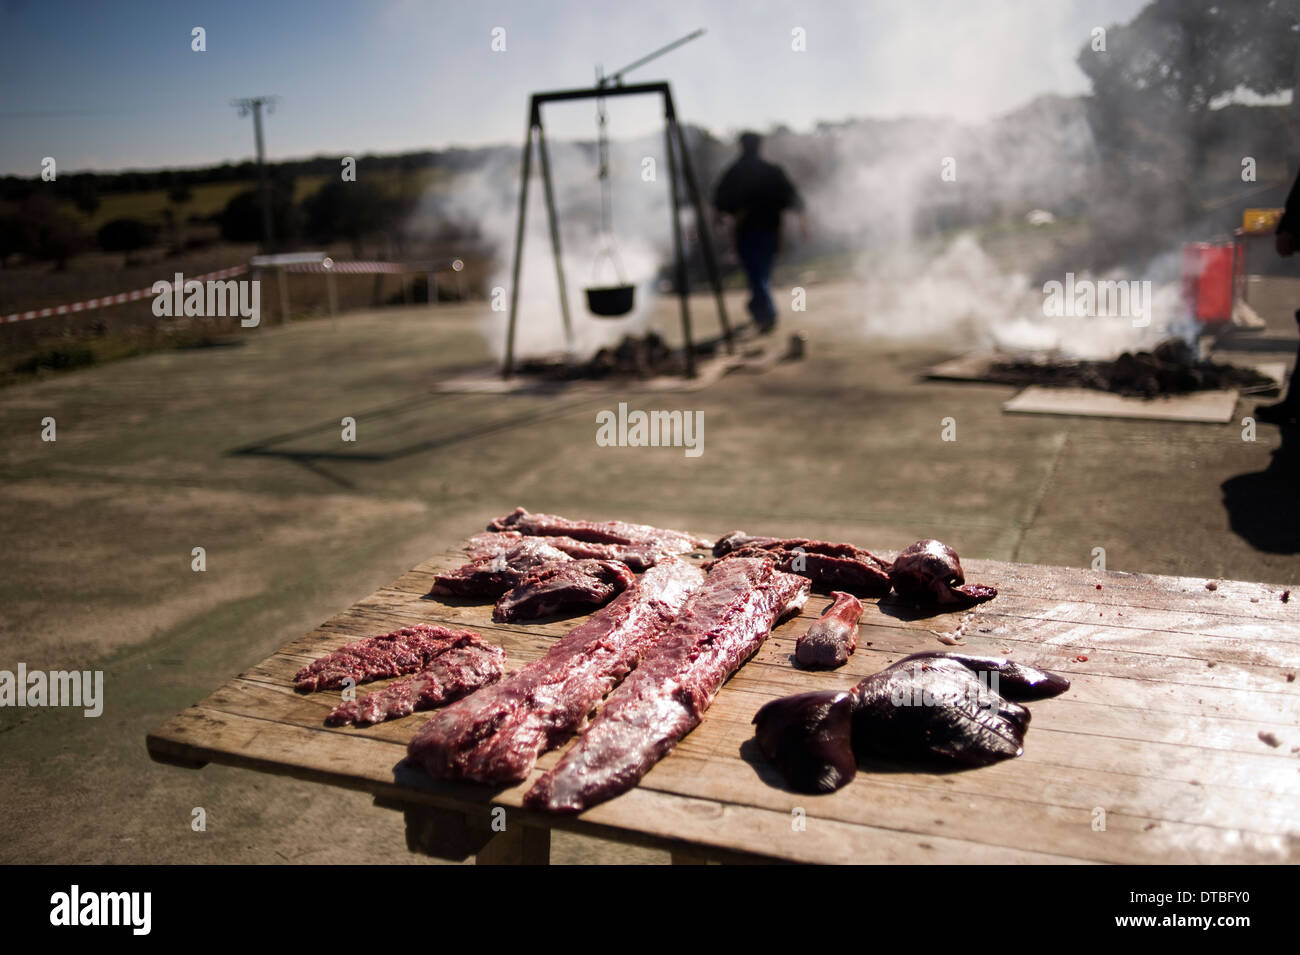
1287	411
756	193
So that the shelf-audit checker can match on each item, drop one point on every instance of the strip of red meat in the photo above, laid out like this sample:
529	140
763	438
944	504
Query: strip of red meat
449	676
828	565
375	658
497	734
599	532
491	575
562	587
721	626
639	557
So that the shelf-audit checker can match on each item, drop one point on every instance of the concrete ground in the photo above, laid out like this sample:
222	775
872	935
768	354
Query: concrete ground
99	526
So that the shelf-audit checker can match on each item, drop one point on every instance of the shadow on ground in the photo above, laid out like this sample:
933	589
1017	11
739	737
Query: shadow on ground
1264	506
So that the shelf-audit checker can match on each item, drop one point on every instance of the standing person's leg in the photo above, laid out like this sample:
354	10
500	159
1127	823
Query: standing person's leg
1286	411
756	250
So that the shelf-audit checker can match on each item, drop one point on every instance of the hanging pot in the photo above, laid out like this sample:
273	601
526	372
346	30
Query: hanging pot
612	301
609	301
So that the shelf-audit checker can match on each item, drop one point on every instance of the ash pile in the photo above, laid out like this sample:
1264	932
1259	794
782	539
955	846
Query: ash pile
647	356
1171	368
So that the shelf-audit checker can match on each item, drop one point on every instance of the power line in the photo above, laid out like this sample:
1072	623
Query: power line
254	105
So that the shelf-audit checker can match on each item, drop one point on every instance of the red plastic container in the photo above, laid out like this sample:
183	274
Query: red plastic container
1209	272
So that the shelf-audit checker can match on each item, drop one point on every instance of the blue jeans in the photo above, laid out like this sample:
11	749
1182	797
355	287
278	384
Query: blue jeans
756	251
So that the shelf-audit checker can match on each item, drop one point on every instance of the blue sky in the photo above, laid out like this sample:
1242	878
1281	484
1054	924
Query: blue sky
111	85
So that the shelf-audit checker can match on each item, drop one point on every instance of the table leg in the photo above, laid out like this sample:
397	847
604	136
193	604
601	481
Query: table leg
518	845
455	835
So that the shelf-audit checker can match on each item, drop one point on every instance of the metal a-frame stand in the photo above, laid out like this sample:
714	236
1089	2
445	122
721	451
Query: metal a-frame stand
676	143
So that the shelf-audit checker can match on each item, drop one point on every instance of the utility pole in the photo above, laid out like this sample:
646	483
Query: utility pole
254	105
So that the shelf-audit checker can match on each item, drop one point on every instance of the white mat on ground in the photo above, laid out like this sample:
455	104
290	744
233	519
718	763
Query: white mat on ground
1211	407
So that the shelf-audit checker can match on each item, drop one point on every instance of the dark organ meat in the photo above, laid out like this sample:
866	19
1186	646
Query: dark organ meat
497	734
929	573
639	557
375	658
723	623
450	676
491	575
560	587
833	636
926	708
807	737
599	532
829	566
936	709
1015	681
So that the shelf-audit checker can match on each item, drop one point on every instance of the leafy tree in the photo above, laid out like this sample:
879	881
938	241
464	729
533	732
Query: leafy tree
46	233
350	211
241	220
126	235
1153	87
1162	71
83	193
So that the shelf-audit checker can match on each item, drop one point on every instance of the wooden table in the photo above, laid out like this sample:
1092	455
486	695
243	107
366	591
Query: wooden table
1159	753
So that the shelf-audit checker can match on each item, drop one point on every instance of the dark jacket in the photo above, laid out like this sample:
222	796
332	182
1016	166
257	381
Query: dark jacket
756	192
1290	221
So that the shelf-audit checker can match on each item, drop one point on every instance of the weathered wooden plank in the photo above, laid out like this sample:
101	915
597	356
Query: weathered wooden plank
1043	806
642	816
994	817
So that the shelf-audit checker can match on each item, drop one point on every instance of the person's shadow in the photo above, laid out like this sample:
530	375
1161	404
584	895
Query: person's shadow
1264	506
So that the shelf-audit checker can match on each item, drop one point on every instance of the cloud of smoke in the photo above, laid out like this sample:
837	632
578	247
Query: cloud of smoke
925	271
489	197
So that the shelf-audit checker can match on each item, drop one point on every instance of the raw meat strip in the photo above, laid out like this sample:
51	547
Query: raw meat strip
493	574
562	586
374	658
833	636
639	557
664	698
450	676
497	734
535	580
599	532
829	566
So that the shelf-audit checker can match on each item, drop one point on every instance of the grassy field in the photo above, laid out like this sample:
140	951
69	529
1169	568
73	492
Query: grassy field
208	199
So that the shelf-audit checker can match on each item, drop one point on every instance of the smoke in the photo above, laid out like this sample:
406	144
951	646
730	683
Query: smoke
915	198
488	197
876	188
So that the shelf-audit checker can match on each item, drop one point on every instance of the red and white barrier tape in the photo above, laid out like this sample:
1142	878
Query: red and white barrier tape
353	268
345	268
117	299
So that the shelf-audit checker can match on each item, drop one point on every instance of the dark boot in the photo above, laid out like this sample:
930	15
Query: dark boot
1284	413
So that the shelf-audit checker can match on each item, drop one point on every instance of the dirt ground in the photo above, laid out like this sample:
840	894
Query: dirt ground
238	450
